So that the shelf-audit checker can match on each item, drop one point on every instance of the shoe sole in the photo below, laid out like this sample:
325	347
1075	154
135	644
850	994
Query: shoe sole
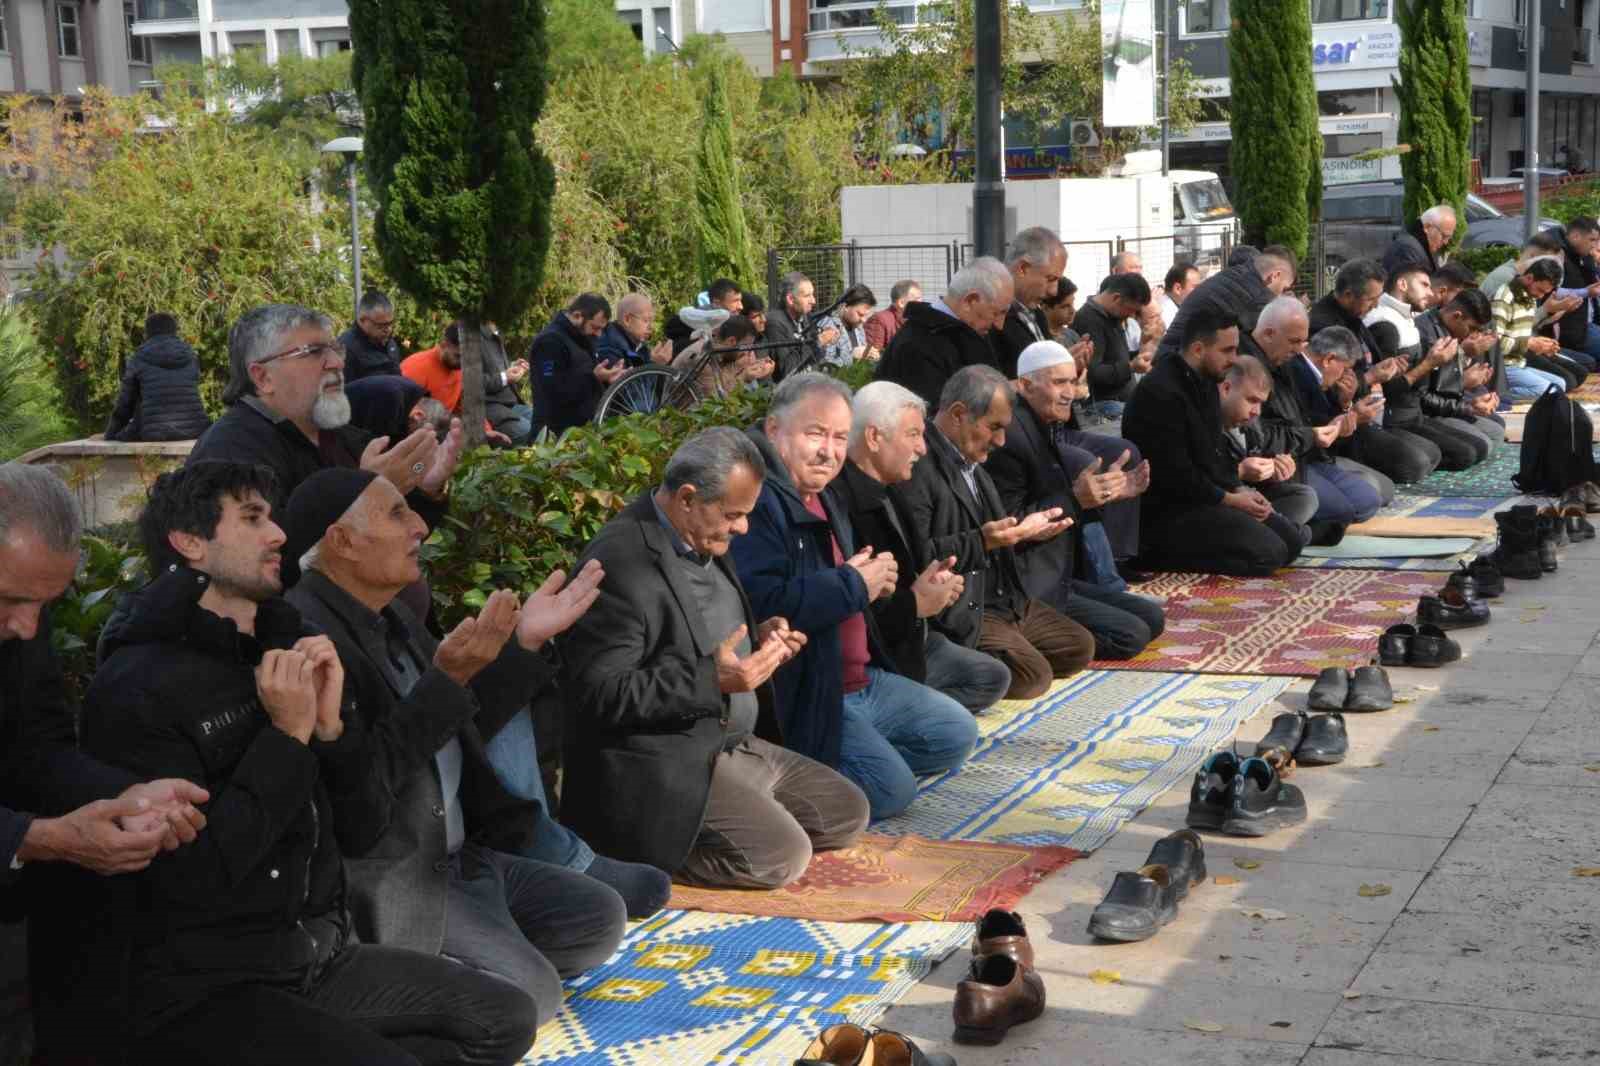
1205	818
990	1036
1262	824
1451	626
1358	709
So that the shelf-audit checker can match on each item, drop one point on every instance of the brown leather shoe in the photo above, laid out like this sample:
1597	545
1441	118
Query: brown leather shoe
999	994
839	1045
1002	933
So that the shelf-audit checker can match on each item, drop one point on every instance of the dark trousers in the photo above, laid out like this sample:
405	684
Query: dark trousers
1122	624
1120	519
373	1006
1401	455
1562	366
1038	646
769	809
1457	450
528	922
1221	540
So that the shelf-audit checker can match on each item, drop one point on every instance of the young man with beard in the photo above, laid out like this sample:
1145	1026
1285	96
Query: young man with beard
244	951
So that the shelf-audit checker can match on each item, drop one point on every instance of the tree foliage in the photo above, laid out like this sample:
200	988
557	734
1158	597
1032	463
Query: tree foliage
1434	90
1277	145
723	249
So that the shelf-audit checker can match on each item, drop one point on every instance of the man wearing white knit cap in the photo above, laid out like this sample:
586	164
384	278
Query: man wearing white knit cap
1035	470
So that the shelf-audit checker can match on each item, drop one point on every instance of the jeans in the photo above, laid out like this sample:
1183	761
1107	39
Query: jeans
1106	409
1297	503
1526	383
514	754
372	1006
527	922
1488	429
1343	497
1099	561
973	679
519	426
896	731
1122	624
1379	482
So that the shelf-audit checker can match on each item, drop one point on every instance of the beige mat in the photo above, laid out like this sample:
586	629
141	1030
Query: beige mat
1423	527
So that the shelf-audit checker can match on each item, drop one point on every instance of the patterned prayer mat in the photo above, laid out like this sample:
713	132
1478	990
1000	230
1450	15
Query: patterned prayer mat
1492	477
1379	553
1294	623
1447	506
895	879
1069	768
693	988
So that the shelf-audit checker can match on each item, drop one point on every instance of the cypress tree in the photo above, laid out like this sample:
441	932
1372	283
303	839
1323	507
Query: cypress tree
1277	150
451	90
1434	90
722	245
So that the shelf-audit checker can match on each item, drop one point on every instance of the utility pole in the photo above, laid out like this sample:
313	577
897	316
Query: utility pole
1166	81
1530	125
989	192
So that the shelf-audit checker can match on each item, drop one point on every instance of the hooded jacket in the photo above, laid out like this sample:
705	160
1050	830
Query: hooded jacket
160	397
259	897
928	351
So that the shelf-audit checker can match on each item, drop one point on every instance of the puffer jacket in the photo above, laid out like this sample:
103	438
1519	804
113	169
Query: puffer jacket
160	397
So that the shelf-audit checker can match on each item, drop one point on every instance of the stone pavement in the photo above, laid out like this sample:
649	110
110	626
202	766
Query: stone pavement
1471	805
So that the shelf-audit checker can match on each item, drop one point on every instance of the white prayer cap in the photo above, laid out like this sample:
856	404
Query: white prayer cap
1040	355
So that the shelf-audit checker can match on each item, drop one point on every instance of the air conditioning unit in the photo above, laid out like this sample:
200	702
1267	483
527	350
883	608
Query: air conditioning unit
1083	134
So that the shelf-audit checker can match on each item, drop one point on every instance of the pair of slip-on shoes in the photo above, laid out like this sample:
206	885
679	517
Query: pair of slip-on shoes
1001	989
1359	691
1141	901
851	1045
1424	645
1297	738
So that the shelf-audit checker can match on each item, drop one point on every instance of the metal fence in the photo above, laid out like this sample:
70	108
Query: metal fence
833	268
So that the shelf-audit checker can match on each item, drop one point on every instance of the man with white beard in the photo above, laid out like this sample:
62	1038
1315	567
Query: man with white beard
287	411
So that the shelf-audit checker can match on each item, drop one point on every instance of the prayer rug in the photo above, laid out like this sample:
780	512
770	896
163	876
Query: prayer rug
1069	768
1492	477
1412	526
1447	506
1294	623
736	990
1437	555
895	879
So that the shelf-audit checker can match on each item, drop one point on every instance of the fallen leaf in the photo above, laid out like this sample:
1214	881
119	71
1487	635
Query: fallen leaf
1224	879
1351	995
1593	768
1430	729
1105	977
1281	1025
1427	688
1247	864
1586	871
1202	1027
1405	699
1374	890
1267	914
1375	765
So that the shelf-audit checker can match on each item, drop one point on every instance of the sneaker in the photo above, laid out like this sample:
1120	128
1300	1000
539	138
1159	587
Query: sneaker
1259	801
1208	796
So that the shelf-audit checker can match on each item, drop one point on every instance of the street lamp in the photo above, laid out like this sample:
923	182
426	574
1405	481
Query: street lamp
350	148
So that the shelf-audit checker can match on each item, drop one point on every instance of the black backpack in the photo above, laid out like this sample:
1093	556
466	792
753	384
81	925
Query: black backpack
1557	446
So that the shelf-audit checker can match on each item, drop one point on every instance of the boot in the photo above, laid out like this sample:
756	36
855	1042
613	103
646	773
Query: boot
1517	555
1552	526
1551	532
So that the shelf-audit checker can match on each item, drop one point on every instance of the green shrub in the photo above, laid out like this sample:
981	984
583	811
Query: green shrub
110	566
1483	260
1574	201
30	409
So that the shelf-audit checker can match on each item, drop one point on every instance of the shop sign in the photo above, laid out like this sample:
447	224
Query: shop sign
1333	48
1347	171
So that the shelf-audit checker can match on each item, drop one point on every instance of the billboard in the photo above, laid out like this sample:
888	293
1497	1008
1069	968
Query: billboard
1128	55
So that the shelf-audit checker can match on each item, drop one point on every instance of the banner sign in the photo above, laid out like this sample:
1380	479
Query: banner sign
1128	56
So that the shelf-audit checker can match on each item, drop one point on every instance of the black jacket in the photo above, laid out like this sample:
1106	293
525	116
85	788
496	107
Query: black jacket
646	713
499	395
875	521
363	359
1029	475
1175	417
1578	272
160	397
680	333
565	390
929	349
381	405
1237	292
946	521
259	897
1021	328
398	886
615	344
1329	312
783	329
1282	427
1443	392
1409	249
1110	371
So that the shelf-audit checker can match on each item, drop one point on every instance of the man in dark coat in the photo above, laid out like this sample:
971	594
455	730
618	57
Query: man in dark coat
531	922
1454	391
1576	330
1418	245
949	332
245	951
953	511
567	380
1238	292
1036	259
160	397
842	700
369	345
1104	319
886	441
672	746
1198	516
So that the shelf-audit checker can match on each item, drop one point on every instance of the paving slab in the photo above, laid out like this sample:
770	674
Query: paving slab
1460	1033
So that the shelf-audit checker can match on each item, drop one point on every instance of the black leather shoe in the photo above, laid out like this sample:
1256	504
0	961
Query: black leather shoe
1184	856
1325	742
1328	691
1547	546
1394	647
1278	745
1137	905
1478	580
1369	690
1260	802
1430	648
1208	796
1450	610
1579	528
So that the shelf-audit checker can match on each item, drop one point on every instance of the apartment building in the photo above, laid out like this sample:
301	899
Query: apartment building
57	47
193	30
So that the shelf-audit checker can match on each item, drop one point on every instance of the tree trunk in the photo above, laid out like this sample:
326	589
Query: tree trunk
473	344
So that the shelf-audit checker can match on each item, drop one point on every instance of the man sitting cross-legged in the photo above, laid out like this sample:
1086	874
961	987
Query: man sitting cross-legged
458	870
672	744
243	950
954	511
1198	515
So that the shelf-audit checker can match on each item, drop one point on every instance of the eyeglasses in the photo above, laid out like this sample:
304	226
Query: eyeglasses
321	351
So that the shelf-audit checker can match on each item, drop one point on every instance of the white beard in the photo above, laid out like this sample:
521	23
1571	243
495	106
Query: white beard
331	411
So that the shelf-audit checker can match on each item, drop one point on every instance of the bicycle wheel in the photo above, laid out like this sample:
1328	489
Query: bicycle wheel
645	390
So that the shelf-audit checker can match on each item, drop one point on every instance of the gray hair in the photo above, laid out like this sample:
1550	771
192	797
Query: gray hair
1356	275
1121	260
1437	214
974	387
1035	245
985	275
903	288
708	459
35	498
879	405
1338	342
1249	368
633	302
260	333
798	387
790	284
1280	312
373	300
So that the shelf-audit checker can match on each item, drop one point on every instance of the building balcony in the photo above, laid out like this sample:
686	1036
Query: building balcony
167	11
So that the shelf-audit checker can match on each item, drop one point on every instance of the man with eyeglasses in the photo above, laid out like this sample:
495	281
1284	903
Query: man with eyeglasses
287	411
1419	245
369	345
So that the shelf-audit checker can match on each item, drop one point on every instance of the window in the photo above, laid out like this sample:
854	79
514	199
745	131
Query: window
67	44
138	47
1371	208
857	15
1205	16
1342	145
331	48
2	26
1348	102
1348	10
